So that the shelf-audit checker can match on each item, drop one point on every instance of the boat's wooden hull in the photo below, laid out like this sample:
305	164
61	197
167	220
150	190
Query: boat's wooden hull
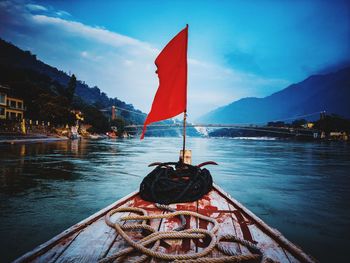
91	239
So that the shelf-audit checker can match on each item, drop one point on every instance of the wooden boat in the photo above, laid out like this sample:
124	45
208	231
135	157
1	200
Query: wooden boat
92	239
111	135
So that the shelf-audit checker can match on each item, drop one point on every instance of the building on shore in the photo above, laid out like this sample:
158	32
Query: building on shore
11	108
343	136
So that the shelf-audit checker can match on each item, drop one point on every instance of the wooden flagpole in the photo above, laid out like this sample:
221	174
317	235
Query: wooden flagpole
185	116
184	138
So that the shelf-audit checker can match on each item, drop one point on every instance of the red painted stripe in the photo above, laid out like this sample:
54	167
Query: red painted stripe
186	242
245	230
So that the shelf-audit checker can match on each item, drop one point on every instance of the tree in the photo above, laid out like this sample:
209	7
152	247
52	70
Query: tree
333	123
72	84
119	123
94	117
299	123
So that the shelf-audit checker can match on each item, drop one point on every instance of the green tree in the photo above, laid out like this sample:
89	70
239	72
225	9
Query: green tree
94	117
70	90
119	123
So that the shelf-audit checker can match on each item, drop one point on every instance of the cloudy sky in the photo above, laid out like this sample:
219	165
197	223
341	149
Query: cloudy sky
236	48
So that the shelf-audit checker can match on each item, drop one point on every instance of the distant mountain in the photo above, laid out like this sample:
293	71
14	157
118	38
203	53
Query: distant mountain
329	92
12	56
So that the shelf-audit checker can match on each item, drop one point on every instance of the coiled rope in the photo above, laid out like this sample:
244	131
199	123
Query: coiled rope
149	244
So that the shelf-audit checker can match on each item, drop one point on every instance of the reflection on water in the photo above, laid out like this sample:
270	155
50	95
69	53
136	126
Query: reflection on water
302	189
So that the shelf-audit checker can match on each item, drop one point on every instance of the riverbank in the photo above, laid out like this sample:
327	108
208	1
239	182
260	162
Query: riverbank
30	139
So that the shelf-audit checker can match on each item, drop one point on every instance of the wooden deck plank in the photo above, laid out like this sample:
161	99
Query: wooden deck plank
92	242
270	247
52	254
214	206
291	258
241	229
45	247
117	244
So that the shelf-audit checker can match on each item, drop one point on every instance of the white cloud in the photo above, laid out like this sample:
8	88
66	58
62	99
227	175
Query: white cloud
62	13
84	54
98	34
34	7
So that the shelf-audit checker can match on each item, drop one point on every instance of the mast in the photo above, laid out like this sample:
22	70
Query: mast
184	137
185	114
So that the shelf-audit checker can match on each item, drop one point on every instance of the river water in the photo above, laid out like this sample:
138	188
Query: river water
302	189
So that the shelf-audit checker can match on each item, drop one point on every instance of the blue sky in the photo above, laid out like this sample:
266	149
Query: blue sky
236	48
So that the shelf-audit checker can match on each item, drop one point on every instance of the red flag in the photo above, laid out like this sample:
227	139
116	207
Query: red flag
171	97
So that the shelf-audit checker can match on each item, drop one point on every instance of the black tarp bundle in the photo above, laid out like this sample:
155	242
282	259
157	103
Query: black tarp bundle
185	183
